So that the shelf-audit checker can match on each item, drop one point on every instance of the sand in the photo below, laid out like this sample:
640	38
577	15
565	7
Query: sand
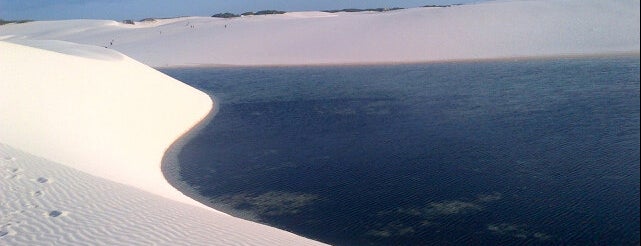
84	130
490	30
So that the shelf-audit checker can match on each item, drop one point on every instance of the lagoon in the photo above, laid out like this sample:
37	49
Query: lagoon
488	152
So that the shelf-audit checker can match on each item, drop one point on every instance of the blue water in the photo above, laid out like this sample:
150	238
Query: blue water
520	152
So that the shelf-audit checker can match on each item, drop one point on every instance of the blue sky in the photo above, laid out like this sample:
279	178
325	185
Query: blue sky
138	9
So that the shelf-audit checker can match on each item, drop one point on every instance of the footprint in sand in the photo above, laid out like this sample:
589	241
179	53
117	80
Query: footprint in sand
37	193
42	180
56	213
5	231
15	173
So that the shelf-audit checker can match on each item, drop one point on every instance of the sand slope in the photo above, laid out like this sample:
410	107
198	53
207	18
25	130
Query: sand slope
500	29
45	203
111	117
83	131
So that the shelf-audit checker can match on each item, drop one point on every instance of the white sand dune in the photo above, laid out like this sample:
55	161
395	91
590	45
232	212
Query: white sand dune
83	132
501	29
83	128
112	118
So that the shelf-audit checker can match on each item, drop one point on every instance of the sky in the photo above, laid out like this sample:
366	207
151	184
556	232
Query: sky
139	9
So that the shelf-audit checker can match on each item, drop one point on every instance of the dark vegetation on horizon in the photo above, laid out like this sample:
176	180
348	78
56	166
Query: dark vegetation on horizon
228	15
266	12
3	22
132	22
219	15
362	10
262	12
225	15
273	12
385	9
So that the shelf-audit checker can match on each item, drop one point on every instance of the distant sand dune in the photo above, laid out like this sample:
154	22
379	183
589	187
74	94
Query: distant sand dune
489	30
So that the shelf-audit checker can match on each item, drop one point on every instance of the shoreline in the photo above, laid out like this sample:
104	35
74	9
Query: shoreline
170	164
170	167
604	55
